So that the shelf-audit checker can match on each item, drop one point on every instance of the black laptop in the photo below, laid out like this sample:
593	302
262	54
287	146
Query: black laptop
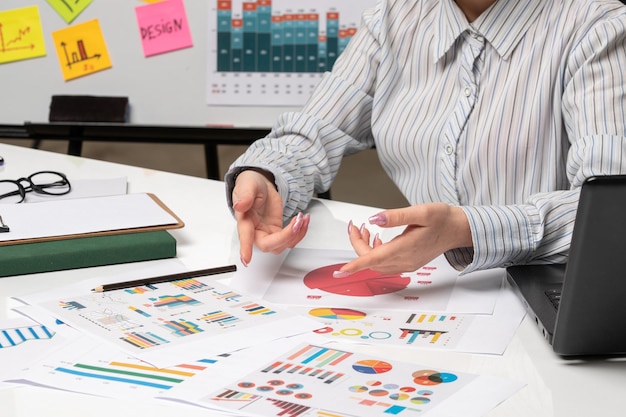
581	307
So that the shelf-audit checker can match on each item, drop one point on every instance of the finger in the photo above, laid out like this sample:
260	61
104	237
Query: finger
377	241
284	238
243	197
247	187
355	265
359	239
245	231
400	217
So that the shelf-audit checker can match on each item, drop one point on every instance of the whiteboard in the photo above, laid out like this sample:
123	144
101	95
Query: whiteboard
166	89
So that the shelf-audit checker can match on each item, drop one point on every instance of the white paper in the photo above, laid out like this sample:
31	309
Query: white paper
470	333
83	215
305	279
24	341
316	380
160	322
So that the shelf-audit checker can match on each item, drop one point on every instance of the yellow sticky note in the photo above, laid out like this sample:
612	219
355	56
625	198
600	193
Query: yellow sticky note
21	35
69	9
81	49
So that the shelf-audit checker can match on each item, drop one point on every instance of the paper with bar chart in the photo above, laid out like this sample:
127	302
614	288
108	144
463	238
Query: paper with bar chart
306	278
322	381
473	333
23	341
273	52
155	322
87	366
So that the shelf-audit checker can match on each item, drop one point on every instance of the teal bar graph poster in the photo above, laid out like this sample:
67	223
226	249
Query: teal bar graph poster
273	52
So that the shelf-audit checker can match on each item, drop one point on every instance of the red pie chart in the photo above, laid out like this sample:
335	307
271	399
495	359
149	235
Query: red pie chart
372	366
365	283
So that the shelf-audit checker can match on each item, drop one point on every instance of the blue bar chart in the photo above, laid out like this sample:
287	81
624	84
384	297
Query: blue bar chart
273	52
260	39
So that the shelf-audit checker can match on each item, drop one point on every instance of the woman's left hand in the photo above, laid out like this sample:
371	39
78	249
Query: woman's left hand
431	229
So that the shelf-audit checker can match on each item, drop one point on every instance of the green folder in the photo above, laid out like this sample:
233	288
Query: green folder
56	255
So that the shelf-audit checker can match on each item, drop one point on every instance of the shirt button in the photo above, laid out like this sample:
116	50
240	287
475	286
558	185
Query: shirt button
449	149
467	91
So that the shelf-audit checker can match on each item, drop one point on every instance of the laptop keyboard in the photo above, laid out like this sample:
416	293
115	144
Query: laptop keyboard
555	297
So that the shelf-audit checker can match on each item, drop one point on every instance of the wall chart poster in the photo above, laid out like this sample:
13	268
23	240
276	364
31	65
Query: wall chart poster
273	52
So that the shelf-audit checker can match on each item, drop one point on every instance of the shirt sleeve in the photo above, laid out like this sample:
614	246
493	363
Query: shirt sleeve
304	149
593	108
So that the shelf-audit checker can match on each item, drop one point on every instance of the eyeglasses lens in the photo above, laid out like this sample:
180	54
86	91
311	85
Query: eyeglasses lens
49	183
10	192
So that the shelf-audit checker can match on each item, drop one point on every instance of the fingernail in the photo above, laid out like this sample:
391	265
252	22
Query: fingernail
298	224
378	219
340	274
307	219
362	228
235	203
244	263
349	226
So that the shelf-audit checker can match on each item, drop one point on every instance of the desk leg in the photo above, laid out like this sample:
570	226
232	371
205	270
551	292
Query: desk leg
212	162
75	147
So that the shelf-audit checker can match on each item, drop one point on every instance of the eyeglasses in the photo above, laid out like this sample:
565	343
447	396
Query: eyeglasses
42	182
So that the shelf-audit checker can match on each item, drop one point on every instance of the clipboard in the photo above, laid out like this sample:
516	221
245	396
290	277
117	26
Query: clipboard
41	212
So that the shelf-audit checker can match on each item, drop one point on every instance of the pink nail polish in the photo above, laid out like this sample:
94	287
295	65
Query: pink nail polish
340	274
378	219
298	224
244	263
362	228
349	226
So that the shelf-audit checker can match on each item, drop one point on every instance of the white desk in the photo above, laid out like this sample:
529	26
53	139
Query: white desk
555	387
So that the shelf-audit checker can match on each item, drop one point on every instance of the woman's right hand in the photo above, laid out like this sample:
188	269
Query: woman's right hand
258	210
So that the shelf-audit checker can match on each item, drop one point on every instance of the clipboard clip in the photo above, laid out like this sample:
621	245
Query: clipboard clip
3	227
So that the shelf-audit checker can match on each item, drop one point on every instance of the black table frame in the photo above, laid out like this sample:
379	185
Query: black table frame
78	132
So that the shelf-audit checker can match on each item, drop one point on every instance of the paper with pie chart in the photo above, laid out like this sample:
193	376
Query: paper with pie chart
474	333
312	380
306	278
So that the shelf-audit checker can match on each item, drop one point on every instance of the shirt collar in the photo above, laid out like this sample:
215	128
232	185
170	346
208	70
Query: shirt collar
503	25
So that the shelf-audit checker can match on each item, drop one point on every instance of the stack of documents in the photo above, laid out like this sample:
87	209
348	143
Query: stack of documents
74	233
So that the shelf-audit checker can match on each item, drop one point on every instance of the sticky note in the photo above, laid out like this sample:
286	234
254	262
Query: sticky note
81	49
163	27
21	35
68	10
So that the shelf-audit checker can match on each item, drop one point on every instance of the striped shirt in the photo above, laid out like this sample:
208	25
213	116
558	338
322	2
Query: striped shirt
504	117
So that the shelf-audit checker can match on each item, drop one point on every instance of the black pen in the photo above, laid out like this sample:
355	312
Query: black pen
165	278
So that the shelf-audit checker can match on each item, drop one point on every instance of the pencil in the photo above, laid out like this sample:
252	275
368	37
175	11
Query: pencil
165	278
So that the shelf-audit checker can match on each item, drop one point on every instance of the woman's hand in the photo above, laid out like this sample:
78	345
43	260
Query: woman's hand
259	213
431	229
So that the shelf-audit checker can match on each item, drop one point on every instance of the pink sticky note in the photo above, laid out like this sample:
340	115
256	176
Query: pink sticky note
163	27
